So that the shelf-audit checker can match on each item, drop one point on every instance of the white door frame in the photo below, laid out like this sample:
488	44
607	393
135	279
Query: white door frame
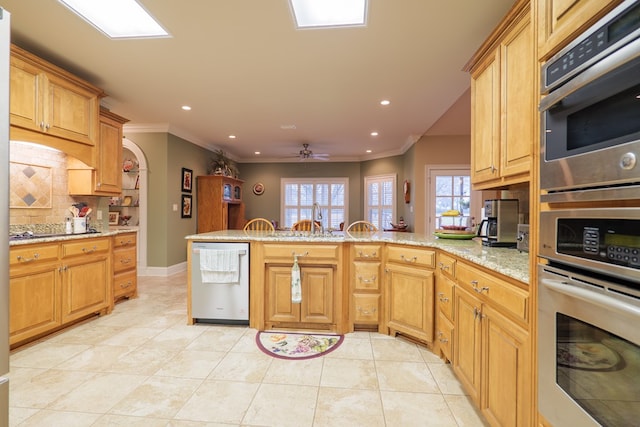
143	171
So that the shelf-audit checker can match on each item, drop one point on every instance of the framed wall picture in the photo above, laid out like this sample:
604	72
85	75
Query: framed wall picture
186	206
114	217
187	180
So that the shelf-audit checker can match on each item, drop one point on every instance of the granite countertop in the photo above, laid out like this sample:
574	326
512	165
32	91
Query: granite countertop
65	237
506	261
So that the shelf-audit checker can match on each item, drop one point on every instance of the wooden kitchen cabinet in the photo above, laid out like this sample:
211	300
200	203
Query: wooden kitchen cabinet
51	106
409	292
445	288
106	178
492	346
125	272
219	201
503	118
54	284
366	287
321	281
559	21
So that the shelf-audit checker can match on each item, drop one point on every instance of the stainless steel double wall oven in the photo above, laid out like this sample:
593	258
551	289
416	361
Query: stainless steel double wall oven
589	278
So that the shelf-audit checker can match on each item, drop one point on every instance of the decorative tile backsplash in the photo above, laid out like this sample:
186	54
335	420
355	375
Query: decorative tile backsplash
39	198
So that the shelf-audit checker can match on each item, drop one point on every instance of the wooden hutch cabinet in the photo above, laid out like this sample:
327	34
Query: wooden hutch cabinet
220	205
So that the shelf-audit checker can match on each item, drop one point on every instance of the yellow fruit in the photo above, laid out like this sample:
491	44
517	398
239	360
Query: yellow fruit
451	212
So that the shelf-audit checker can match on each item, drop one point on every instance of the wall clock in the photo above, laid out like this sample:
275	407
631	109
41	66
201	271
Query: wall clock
258	188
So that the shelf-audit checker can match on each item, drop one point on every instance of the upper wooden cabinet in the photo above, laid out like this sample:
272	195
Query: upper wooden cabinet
559	21
106	178
50	106
503	87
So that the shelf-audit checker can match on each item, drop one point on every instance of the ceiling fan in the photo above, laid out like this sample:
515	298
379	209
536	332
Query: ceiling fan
305	154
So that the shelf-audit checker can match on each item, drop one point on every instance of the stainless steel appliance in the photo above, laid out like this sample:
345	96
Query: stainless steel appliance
500	225
591	115
588	348
4	217
220	301
522	239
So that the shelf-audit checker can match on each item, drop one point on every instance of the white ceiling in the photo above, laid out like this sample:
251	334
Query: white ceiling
245	70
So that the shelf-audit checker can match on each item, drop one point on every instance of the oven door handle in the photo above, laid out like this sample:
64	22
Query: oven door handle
612	62
604	301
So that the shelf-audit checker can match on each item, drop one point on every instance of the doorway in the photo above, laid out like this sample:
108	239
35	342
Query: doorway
140	187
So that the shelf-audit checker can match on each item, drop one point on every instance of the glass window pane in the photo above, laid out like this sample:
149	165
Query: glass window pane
290	217
337	195
374	194
443	186
322	194
306	194
291	194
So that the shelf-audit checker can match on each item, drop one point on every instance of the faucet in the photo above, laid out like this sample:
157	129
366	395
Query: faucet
316	214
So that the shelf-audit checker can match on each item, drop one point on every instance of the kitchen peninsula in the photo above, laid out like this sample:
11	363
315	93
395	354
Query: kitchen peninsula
468	303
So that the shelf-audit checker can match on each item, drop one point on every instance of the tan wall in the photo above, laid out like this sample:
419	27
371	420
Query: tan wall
435	150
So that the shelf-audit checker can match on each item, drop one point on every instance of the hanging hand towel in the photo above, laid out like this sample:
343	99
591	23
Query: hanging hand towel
219	265
296	289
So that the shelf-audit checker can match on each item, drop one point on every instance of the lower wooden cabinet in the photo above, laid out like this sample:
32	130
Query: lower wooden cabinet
409	292
491	358
53	284
366	309
125	272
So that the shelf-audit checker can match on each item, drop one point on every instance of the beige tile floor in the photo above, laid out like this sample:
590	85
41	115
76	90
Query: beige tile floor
143	366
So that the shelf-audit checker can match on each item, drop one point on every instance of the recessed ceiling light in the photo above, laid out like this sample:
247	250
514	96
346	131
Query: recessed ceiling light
329	13
374	133
385	102
117	18
368	151
186	108
256	152
232	137
287	127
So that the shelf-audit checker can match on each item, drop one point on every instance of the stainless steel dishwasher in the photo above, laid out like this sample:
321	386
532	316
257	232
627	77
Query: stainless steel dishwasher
220	301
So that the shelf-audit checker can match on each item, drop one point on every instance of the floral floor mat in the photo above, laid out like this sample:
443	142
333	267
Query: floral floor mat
295	345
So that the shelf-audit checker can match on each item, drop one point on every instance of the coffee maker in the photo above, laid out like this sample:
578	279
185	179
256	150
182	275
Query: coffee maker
499	227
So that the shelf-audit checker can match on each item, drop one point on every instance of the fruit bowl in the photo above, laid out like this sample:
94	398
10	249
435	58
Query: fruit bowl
398	226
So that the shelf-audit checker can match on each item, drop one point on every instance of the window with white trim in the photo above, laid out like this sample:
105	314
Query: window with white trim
450	189
380	200
299	195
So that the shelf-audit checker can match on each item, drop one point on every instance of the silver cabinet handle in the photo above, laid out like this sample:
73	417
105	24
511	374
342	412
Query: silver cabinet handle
363	255
90	251
442	298
23	259
413	259
474	284
363	280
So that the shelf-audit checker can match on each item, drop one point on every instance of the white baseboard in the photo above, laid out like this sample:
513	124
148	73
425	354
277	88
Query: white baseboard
163	271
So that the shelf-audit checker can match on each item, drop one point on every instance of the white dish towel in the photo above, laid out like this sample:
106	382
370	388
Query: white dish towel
220	265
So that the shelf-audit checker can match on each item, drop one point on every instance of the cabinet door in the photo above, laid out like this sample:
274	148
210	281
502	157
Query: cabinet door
34	301
485	120
85	287
279	307
109	165
410	294
70	111
517	106
467	342
559	20
507	371
317	294
26	100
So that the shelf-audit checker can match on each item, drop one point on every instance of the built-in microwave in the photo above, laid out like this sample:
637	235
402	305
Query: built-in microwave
590	136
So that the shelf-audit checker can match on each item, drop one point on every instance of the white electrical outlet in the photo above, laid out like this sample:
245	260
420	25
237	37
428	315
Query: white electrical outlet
99	215
175	207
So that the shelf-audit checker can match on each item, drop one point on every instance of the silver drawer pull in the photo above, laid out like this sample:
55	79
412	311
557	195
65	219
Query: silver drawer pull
363	280
23	259
442	298
299	255
443	266
474	283
126	285
89	251
125	242
363	255
366	312
413	259
125	260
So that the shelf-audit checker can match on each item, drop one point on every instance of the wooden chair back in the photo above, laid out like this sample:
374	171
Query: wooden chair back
259	224
360	226
304	225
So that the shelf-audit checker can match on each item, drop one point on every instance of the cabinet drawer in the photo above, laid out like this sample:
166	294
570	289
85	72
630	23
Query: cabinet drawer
444	294
124	283
447	265
366	275
411	256
505	295
367	308
84	247
444	335
124	259
305	252
121	240
33	254
367	252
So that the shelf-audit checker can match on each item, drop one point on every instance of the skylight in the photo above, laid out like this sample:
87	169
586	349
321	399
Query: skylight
117	18
329	13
